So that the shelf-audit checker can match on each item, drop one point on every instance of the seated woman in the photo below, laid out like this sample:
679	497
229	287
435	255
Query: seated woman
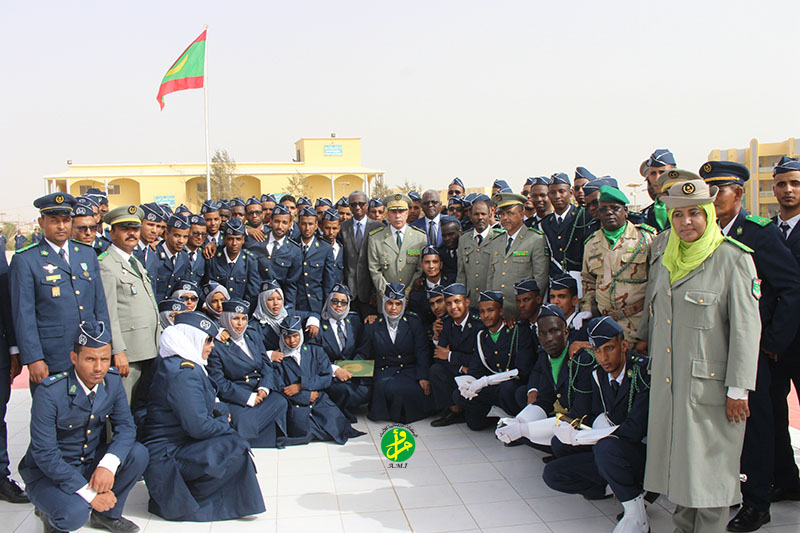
215	295
246	381
305	373
340	337
168	309
430	278
188	292
270	312
397	343
200	468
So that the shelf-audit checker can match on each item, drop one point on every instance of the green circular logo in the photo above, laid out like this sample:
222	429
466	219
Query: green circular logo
398	444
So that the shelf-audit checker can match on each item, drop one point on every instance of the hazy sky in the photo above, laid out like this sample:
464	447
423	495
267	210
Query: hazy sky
435	89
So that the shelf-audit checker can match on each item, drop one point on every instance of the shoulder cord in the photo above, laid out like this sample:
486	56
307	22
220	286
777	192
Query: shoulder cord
573	374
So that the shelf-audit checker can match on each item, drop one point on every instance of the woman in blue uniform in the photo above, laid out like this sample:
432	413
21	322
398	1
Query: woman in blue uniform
397	343
270	313
246	380
305	374
200	468
168	309
340	336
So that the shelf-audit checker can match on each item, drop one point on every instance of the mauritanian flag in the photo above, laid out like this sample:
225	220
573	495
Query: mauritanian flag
187	72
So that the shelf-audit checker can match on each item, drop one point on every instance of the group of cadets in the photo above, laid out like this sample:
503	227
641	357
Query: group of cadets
197	336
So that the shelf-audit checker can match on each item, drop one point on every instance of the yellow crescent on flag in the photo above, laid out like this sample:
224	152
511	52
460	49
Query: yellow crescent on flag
179	66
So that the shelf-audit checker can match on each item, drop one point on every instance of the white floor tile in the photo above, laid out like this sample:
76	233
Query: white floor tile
369	501
417	497
355	464
503	513
498	490
157	525
246	525
375	521
563	507
308	466
328	524
584	525
521	469
292	485
451	518
361	481
307	505
471	472
416	477
457	456
527	528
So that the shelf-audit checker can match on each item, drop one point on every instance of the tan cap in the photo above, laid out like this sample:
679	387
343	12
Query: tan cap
397	201
688	193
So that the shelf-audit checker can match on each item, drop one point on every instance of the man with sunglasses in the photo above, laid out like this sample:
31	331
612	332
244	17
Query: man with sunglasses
353	234
431	223
616	263
194	249
84	227
582	177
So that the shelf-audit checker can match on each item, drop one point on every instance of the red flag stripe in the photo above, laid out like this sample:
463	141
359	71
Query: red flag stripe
195	82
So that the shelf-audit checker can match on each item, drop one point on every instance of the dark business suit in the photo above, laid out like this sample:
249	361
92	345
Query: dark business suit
356	273
422	223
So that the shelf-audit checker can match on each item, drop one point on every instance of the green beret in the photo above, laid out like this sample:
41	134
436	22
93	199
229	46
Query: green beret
611	194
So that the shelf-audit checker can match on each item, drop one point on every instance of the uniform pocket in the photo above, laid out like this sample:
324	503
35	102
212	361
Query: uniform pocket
700	313
708	382
51	332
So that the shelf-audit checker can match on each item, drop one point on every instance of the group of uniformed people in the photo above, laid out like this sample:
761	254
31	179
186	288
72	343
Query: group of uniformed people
170	343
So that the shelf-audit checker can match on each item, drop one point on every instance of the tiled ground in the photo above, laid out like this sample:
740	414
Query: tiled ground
457	480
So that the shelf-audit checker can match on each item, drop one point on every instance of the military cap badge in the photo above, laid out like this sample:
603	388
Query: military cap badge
707	167
205	324
673	174
132	210
59	199
688	188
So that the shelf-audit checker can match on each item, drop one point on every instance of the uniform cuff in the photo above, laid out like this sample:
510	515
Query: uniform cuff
264	389
251	401
110	462
737	393
334	368
86	493
532	389
14	350
312	321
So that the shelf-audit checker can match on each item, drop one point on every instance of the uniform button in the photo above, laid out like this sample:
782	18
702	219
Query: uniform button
477	275
80	307
701	300
669	321
231	279
91	417
77	292
70	426
81	458
477	262
304	263
88	431
558	396
502	286
85	445
305	273
73	277
713	374
306	284
558	237
667	380
506	261
667	350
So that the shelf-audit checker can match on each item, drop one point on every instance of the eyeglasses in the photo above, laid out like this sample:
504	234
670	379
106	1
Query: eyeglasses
431	202
86	228
361	204
189	298
199	234
337	302
610	209
249	213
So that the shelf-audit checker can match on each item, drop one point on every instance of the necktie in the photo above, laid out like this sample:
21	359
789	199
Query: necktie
173	260
91	398
191	257
399	240
275	247
305	250
359	235
785	229
341	334
508	244
134	266
62	254
480	239
615	386
432	237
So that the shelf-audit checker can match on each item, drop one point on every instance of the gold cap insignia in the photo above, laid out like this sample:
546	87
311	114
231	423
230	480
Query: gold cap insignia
688	188
673	174
59	199
132	210
398	197
707	167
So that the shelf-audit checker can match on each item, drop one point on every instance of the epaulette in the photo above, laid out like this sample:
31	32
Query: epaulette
187	364
376	230
290	240
536	230
590	237
739	244
648	228
638	359
52	379
410	313
83	243
761	221
498	230
416	228
102	256
26	248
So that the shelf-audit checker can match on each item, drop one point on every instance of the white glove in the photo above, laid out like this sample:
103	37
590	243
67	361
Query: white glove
539	431
463	383
531	413
475	387
601	421
495	379
566	433
509	431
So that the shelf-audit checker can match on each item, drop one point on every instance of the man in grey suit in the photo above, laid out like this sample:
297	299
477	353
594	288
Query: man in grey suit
132	309
353	235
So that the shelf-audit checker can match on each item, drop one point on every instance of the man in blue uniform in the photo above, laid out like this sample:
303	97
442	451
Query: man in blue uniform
19	240
319	266
55	286
582	177
172	264
145	251
620	402
780	296
655	214
210	212
268	203
566	228
71	466
234	268
529	300
279	257
237	209
330	232
194	249
452	353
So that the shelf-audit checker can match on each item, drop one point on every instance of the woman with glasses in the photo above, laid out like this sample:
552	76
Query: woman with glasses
339	336
188	293
246	380
200	468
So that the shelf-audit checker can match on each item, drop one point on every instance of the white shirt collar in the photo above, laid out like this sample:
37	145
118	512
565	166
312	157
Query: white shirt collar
310	243
514	236
727	229
621	375
483	234
463	322
273	240
86	389
429	220
401	231
57	248
792	222
125	255
166	250
430	285
228	259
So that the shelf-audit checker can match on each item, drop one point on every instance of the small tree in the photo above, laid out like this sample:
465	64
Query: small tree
223	168
410	186
297	186
379	188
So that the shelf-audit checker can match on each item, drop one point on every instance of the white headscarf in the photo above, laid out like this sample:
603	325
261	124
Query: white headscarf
265	316
225	320
392	321
212	292
291	352
328	312
184	341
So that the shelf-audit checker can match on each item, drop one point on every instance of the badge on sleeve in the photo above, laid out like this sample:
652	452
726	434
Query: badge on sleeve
757	288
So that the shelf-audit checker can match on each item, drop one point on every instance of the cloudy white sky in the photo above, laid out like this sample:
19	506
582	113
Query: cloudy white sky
434	88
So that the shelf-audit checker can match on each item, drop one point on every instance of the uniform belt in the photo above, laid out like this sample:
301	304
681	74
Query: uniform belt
627	312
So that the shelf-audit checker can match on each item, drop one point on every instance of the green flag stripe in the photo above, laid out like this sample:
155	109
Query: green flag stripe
192	62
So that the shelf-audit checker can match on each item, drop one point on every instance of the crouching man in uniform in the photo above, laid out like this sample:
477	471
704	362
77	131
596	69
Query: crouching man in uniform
620	394
70	469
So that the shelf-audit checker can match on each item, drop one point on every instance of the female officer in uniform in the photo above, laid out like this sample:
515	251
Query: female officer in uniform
270	313
702	325
200	468
397	343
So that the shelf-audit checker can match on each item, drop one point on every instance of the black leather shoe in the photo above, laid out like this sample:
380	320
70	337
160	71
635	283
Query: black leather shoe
748	519
115	525
779	494
450	418
46	526
11	492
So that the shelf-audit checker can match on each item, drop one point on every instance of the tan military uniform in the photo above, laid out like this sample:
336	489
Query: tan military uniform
528	258
387	264
615	279
474	262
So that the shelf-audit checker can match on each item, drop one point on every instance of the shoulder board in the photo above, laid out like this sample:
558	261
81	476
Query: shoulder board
761	221
498	230
411	314
26	248
83	243
187	364
113	370
648	228
102	256
536	230
52	379
376	230
246	251
740	245
292	241
638	359
590	237
416	228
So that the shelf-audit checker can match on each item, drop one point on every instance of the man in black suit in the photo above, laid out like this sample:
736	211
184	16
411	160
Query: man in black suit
431	223
353	235
786	369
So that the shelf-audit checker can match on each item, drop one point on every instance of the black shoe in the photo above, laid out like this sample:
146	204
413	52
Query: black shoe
651	497
11	492
47	527
115	525
448	419
748	519
779	494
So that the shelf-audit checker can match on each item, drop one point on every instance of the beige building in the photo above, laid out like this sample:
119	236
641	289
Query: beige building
331	168
760	159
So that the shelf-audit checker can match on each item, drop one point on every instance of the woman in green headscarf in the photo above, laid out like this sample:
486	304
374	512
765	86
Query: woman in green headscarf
702	327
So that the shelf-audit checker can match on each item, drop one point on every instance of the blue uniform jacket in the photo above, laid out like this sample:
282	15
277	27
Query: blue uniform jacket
792	355
284	266
148	257
66	428
313	373
241	279
166	275
409	351
449	264
237	375
50	298
566	239
462	342
197	268
492	357
318	278
271	338
572	390
19	241
629	406
327	339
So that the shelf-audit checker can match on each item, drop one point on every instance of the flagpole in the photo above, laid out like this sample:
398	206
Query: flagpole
205	108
